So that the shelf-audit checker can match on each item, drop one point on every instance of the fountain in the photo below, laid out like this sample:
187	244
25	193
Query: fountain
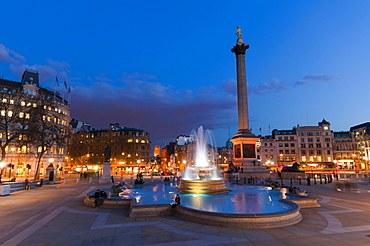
203	176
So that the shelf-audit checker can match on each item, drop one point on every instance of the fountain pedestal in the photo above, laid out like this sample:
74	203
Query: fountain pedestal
203	186
202	180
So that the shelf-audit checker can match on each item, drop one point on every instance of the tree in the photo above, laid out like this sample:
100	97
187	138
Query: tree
44	131
14	118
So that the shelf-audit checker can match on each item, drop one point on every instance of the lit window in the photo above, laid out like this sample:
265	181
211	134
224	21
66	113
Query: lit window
4	100
29	104
27	115
21	115
34	105
23	103
143	141
10	113
129	140
11	101
136	140
304	158
2	112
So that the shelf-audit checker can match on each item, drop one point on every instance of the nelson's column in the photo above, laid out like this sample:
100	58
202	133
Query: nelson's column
244	141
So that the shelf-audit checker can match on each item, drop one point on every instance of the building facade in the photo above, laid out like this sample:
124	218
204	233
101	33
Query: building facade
130	149
361	136
20	101
317	148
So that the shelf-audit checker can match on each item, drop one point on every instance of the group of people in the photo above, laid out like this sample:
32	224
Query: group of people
139	179
99	196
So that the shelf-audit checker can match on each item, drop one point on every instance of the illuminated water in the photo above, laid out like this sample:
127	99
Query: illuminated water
241	200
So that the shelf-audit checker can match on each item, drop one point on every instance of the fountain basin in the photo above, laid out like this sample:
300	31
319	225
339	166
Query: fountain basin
249	221
210	187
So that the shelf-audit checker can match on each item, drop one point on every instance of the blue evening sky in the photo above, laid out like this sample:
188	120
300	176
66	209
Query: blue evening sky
166	66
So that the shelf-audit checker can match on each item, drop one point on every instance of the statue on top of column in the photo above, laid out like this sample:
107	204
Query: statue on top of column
239	35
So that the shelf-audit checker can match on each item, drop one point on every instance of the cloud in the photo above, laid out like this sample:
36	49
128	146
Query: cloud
10	56
162	110
229	86
319	77
301	83
274	85
48	71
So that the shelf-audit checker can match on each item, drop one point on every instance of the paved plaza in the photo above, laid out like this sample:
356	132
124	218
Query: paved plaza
55	215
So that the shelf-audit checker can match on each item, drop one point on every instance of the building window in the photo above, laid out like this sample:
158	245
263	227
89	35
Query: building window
287	158
281	151
327	139
311	152
292	151
286	151
304	158
294	158
292	145
310	140
280	145
303	145
311	158
318	145
310	145
302	140
286	145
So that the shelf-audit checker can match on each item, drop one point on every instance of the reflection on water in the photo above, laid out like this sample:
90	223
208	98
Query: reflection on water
241	200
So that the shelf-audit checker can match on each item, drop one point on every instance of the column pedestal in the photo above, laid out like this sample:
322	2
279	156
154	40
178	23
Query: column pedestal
105	178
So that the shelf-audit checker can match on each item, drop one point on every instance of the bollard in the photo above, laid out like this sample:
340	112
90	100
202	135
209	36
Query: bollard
152	179
122	180
66	180
90	180
132	180
78	180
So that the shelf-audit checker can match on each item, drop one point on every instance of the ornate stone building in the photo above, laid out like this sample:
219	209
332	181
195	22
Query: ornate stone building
19	101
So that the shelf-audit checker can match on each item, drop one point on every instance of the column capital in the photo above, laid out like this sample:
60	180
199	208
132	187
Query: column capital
240	49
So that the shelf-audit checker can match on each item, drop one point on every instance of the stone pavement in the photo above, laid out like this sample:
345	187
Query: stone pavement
55	215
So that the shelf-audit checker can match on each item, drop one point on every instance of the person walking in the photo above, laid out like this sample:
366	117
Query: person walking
26	184
97	198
